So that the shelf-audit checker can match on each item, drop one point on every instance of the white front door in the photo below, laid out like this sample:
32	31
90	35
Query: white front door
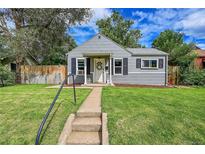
99	67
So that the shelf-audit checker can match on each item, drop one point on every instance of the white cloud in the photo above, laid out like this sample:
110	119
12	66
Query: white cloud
90	27
97	14
189	21
79	31
194	24
100	13
201	45
152	23
84	31
140	15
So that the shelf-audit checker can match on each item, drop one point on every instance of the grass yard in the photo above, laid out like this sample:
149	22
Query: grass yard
22	108
154	115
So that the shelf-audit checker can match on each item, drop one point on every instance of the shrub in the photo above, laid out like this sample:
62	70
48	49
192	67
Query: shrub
6	77
193	77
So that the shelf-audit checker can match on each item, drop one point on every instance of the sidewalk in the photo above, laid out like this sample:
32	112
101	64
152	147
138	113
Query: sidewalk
92	103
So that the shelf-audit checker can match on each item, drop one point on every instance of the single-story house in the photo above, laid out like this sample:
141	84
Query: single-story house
101	60
199	61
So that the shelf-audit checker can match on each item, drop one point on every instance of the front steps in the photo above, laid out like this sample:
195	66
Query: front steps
89	125
88	113
86	131
84	138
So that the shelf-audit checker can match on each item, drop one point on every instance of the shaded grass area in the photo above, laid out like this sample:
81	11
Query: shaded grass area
22	108
154	115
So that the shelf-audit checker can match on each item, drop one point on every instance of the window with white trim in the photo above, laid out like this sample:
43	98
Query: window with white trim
80	66
149	63
118	66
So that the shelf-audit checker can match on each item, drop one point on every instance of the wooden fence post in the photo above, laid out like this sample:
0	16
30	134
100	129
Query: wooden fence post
173	75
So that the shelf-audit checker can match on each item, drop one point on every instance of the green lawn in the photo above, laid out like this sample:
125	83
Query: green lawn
22	108
155	116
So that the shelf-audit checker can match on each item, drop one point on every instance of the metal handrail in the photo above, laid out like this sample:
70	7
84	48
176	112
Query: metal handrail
51	106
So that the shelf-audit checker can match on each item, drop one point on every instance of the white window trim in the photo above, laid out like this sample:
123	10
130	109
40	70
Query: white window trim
77	66
114	67
149	67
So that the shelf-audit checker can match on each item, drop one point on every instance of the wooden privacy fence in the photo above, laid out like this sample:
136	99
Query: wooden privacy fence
173	75
43	74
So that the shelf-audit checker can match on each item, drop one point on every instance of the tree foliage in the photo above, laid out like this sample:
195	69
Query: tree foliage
39	33
6	76
6	54
119	30
193	77
58	57
180	53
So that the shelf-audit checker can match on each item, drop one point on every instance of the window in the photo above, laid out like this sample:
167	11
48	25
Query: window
203	65
149	63
118	66
80	66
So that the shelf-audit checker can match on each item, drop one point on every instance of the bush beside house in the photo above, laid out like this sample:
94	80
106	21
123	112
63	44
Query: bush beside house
193	77
6	76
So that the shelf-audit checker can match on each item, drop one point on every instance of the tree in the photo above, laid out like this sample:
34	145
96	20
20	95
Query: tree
37	32
59	57
180	53
6	54
119	30
6	76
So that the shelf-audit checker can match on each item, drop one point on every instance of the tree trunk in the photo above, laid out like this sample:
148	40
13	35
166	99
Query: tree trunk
18	72
18	68
2	81
18	20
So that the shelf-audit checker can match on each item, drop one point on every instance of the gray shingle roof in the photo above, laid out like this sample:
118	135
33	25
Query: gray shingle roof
100	43
146	51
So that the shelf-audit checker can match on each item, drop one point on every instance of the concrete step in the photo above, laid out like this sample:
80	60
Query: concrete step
87	124
88	113
84	138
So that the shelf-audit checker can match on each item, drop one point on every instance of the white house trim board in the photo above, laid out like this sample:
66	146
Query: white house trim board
147	72
110	69
104	73
77	66
85	70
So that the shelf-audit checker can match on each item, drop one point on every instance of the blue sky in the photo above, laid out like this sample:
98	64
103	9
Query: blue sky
151	22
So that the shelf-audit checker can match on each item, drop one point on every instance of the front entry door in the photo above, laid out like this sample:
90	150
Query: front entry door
99	66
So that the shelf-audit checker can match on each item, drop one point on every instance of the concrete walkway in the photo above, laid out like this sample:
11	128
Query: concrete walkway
92	104
87	125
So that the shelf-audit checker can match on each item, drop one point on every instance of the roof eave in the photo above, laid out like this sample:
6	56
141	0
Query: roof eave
150	54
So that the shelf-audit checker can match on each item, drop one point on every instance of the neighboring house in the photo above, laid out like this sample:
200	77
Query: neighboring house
101	60
200	59
9	61
29	60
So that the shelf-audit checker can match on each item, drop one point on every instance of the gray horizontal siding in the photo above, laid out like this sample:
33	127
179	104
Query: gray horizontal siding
132	64
79	79
135	75
140	79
